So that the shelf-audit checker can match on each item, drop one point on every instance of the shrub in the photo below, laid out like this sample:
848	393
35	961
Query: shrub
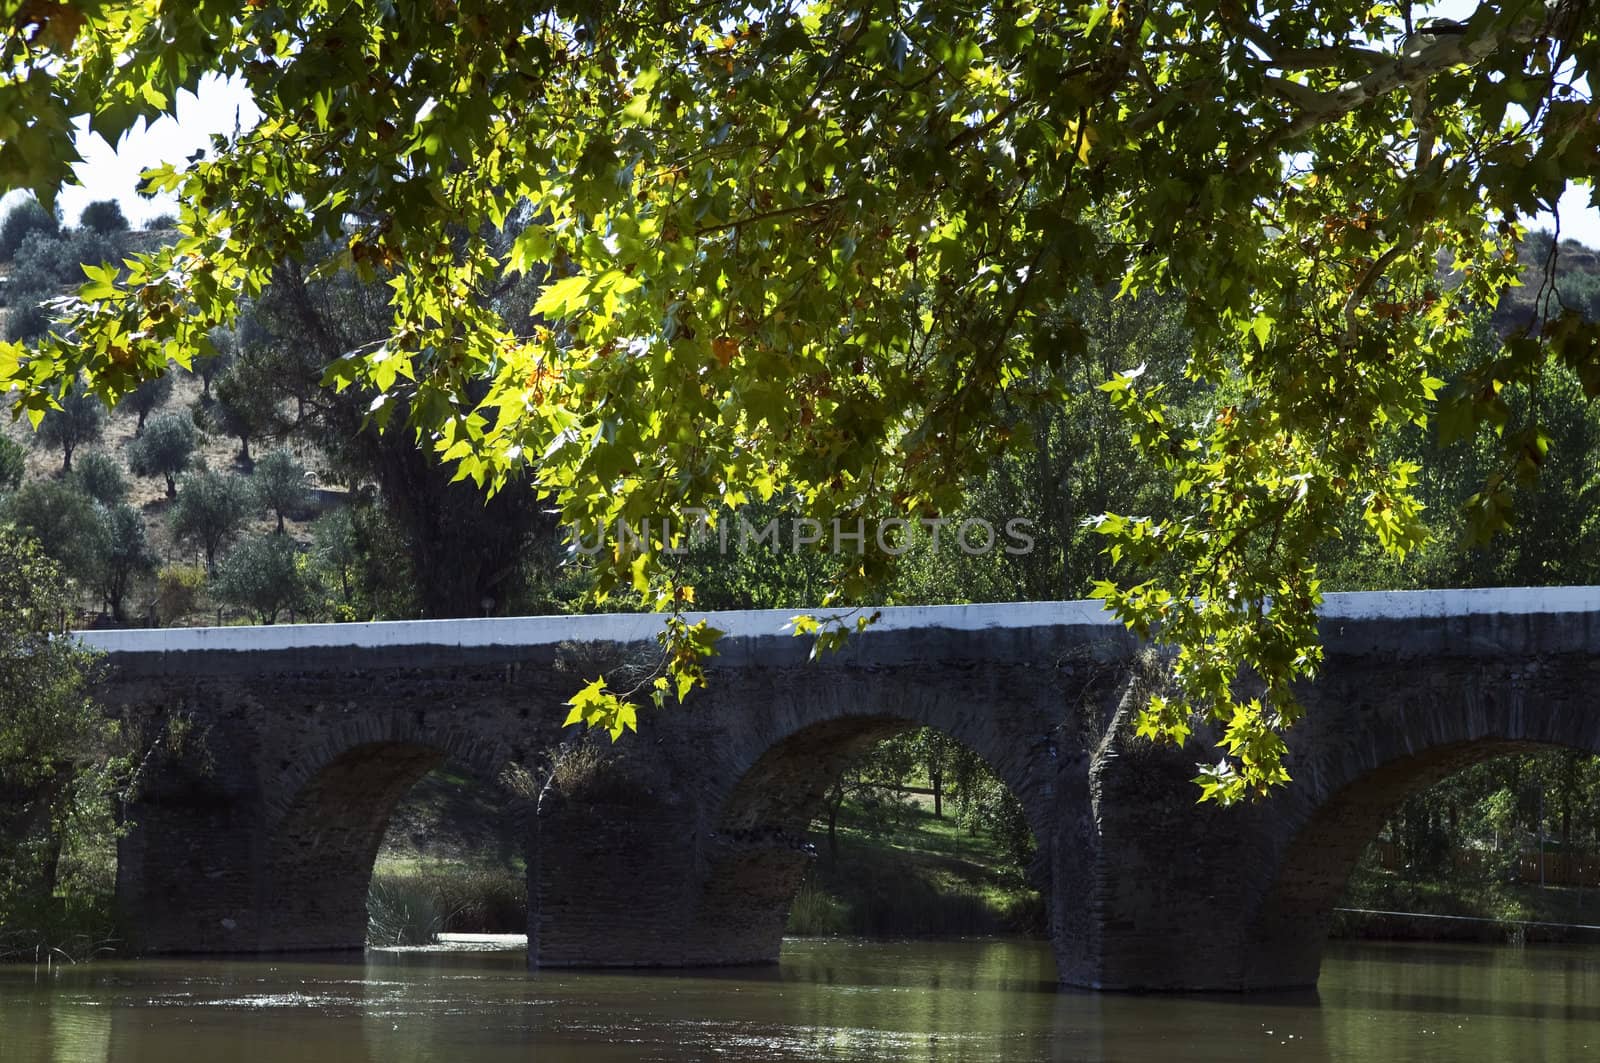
415	907
180	591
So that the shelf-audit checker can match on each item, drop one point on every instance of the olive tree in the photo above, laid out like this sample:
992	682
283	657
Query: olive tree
79	418
13	464
66	523
103	216
210	510
264	576
26	217
149	397
281	484
128	556
164	449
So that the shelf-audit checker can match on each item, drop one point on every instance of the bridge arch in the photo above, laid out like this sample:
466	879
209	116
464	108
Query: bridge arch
1396	739
773	786
328	812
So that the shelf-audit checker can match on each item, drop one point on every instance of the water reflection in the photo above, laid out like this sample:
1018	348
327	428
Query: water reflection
977	1001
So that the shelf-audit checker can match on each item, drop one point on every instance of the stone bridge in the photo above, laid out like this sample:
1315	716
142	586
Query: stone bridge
276	754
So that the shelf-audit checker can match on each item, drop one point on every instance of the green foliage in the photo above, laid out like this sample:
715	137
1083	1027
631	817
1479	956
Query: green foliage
66	521
79	418
281	484
210	509
833	252
99	476
26	217
127	558
103	216
13	464
57	749
164	449
264	575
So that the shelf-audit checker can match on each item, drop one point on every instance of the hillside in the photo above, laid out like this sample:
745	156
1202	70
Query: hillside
215	451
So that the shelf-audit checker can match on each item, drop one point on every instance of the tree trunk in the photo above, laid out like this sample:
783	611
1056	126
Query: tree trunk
936	782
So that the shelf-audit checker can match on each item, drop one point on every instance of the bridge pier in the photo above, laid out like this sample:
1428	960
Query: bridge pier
190	874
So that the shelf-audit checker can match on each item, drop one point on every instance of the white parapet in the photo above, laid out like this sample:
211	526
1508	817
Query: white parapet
769	623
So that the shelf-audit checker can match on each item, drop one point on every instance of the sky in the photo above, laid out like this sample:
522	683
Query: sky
221	106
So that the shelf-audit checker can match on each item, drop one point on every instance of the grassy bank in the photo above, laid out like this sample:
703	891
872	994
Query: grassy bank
920	876
1505	907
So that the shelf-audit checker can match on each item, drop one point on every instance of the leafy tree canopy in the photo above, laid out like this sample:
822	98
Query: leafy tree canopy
52	735
825	246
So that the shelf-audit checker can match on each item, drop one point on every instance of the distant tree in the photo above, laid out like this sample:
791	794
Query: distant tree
281	484
128	556
210	365
210	510
104	216
338	549
164	449
157	222
26	217
99	476
243	407
81	419
13	464
147	397
65	522
264	576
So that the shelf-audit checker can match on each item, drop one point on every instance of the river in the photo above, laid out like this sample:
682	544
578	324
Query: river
828	1000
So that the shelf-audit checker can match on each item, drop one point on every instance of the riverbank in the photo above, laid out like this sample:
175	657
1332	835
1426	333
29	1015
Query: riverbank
1384	905
921	876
